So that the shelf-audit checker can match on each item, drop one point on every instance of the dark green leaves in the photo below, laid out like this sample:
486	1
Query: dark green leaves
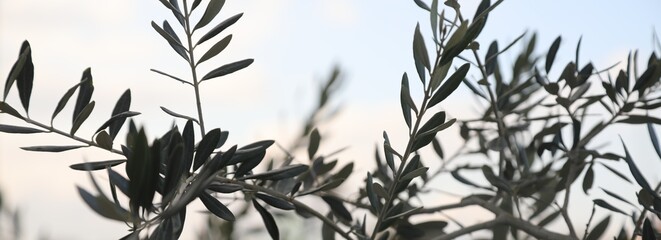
313	146
173	40
550	56
227	69
116	121
420	54
5	108
18	68
406	101
269	222
275	202
210	13
65	99
337	207
423	139
375	202
92	166
52	148
491	60
637	175
216	49
289	171
104	207
142	169
23	73
18	129
450	85
599	230
219	28
121	109
608	206
206	147
84	93
174	114
80	118
216	207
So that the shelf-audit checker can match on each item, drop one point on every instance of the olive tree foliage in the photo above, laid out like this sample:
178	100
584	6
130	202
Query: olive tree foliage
535	133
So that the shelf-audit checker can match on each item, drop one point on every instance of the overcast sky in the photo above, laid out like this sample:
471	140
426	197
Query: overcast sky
294	44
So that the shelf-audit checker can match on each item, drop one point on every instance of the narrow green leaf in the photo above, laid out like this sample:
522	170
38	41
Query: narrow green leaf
195	4
227	69
640	119
174	43
438	149
648	230
415	173
344	172
170	76
439	128
421	4
289	171
327	232
18	129
450	85
637	175
85	92
313	146
655	140
608	206
210	13
216	207
188	139
25	76
598	230
216	49
268	220
84	114
17	68
617	173
404	213
206	147
440	72
93	166
337	207
588	179
420	55
433	19
225	187
371	194
122	106
491	60
5	108
406	101
173	8
275	202
614	195
103	206
177	47
219	28
646	79
65	99
331	184
174	114
550	56
52	148
456	44
118	118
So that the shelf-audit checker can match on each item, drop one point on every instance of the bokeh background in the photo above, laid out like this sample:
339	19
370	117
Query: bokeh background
295	44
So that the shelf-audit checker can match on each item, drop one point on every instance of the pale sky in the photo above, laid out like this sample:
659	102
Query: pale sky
294	44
